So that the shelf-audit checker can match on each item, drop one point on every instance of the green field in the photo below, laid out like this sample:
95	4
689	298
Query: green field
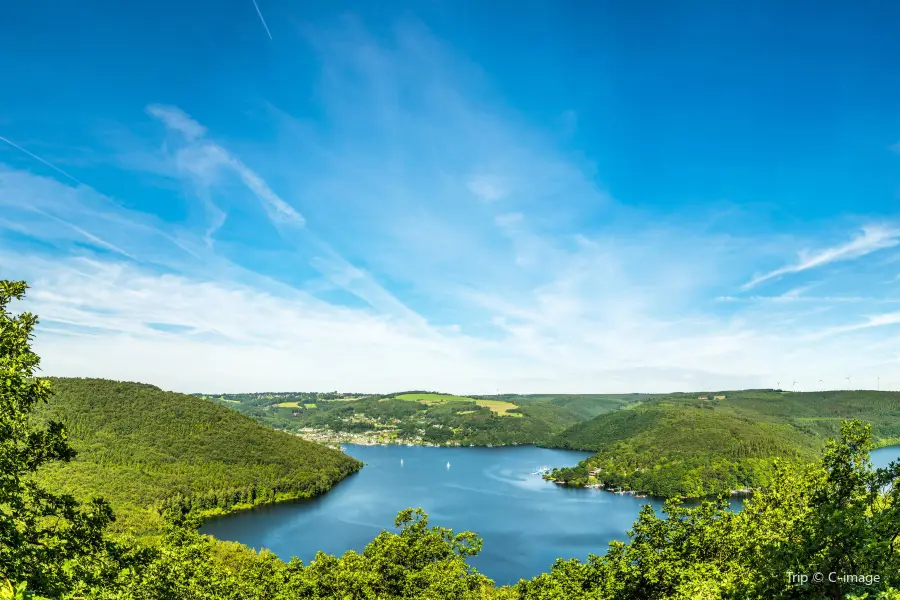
310	405
434	398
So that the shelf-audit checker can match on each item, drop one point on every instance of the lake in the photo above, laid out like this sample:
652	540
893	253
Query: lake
525	522
882	457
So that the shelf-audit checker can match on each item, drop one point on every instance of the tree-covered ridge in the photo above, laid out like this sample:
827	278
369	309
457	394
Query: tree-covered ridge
139	446
700	445
443	419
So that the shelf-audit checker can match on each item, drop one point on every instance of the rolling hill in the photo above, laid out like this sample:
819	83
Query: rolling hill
695	445
140	447
428	417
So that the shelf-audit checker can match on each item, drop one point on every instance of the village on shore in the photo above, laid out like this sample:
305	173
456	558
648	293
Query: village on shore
382	437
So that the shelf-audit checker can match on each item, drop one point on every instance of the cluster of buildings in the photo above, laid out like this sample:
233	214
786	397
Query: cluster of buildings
366	438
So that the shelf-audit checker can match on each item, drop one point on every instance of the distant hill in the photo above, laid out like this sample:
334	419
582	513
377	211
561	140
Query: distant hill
429	417
698	444
139	446
580	406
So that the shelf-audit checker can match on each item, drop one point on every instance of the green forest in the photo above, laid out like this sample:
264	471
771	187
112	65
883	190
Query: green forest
141	448
824	528
685	445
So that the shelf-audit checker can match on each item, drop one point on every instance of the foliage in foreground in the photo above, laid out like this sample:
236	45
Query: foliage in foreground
43	536
833	517
839	518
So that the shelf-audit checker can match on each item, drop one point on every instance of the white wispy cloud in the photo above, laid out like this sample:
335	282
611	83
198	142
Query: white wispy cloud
872	239
177	120
589	329
489	189
45	209
872	321
103	319
204	160
424	237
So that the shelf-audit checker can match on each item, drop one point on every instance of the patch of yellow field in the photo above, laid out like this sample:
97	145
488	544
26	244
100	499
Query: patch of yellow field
311	405
498	407
288	405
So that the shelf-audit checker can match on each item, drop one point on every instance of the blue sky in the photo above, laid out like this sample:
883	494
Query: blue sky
462	196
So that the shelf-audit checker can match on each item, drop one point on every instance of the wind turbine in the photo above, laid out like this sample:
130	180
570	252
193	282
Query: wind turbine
848	382
823	387
778	385
879	384
794	386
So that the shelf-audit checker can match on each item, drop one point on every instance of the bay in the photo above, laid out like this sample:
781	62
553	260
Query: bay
525	522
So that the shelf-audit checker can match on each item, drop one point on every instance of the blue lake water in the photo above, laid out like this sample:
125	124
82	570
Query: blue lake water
882	457
525	522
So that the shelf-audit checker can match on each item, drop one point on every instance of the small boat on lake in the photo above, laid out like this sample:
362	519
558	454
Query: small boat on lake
448	464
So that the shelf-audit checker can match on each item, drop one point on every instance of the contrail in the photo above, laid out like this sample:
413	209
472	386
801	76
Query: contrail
85	233
36	157
262	19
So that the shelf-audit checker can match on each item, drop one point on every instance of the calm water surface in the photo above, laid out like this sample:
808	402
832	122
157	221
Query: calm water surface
525	522
882	457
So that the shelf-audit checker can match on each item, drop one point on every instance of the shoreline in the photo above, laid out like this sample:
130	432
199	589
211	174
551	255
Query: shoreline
334	439
280	498
732	494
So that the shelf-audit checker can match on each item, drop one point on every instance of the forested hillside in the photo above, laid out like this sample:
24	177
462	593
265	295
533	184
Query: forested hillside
426	417
139	446
697	445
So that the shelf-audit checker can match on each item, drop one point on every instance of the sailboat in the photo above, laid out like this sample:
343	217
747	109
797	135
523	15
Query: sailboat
448	464
401	462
